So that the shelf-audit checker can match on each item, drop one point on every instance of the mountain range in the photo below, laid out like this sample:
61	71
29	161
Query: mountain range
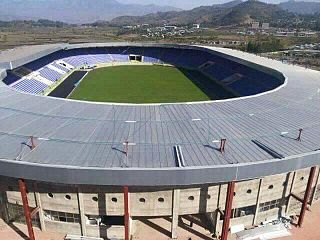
301	7
116	13
73	11
232	13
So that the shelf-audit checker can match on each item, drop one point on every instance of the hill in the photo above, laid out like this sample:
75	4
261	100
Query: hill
73	11
236	12
301	7
203	15
252	10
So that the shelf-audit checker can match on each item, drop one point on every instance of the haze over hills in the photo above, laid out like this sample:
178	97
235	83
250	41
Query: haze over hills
89	11
236	12
73	11
301	7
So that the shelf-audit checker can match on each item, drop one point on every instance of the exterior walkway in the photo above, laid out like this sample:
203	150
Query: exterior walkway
159	229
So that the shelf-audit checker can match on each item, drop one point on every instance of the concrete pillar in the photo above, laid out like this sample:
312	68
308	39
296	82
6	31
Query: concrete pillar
39	204
175	213
257	203
81	213
291	191
218	213
4	207
314	192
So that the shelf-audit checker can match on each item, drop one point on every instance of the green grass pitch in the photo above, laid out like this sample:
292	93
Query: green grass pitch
138	84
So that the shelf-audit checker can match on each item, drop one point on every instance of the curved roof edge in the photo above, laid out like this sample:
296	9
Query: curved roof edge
156	176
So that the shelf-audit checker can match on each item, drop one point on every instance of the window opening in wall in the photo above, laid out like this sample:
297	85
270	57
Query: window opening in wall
105	220
50	195
16	214
244	211
266	206
241	212
191	198
114	199
95	199
142	200
68	197
161	199
61	216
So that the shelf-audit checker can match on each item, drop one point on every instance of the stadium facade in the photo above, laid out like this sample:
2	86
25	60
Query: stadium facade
95	169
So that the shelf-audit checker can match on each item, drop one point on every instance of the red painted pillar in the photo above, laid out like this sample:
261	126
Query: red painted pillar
227	211
306	196
126	213
23	191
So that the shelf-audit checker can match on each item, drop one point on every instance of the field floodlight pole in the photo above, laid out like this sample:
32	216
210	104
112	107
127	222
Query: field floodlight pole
32	146
300	134
222	145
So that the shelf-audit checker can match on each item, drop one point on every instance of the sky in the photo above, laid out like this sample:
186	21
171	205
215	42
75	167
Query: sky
188	4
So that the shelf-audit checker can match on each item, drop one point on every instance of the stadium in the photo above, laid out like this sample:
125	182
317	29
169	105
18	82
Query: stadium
96	137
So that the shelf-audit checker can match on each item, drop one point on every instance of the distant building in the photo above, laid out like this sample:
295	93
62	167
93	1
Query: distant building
170	27
284	34
255	25
197	26
265	26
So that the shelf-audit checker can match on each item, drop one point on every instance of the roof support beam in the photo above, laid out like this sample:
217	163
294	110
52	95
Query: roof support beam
26	209
306	196
227	211
126	213
39	205
314	192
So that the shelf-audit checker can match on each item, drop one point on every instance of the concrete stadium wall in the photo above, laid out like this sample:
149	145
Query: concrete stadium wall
254	201
32	57
3	74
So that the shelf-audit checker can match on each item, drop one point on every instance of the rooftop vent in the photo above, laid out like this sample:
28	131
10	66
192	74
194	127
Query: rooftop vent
179	156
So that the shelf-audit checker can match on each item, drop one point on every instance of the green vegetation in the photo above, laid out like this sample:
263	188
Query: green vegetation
138	84
270	45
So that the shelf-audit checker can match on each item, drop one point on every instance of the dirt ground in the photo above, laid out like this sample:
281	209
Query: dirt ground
17	231
311	227
159	229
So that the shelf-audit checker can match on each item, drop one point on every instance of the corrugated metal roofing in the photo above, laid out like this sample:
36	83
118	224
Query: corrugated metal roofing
82	134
